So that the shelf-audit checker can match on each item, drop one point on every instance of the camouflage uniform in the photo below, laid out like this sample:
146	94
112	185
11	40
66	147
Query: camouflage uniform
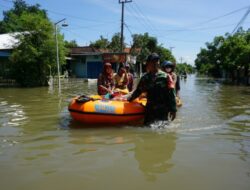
160	98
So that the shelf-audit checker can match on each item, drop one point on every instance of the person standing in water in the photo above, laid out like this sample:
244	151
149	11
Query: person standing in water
169	67
160	95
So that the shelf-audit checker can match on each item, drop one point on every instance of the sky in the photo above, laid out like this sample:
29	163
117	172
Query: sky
184	26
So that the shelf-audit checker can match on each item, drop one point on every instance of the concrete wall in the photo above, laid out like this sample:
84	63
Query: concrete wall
79	65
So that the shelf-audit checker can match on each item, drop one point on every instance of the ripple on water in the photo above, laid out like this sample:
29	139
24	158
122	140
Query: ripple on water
166	127
12	114
6	143
240	120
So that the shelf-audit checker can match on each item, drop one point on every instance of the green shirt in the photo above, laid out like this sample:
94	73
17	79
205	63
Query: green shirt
158	93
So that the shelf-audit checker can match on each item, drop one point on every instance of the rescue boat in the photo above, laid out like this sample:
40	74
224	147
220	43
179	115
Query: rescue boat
97	110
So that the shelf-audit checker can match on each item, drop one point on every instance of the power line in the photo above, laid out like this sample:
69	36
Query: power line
71	16
241	20
78	27
136	17
219	17
145	16
142	19
79	18
128	28
215	18
177	40
201	29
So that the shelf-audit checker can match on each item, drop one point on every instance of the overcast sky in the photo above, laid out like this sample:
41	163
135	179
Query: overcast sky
184	25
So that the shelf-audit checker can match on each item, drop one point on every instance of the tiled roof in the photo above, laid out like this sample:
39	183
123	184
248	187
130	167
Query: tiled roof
86	50
128	50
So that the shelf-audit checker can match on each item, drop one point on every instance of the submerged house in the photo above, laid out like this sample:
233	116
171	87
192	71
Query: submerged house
7	43
87	62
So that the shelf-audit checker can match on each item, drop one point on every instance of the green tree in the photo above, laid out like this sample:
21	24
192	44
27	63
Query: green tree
101	43
104	43
147	44
236	54
70	44
31	59
165	54
11	19
230	54
35	53
143	45
184	68
115	44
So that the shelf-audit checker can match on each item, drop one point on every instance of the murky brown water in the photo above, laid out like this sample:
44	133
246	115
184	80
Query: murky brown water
206	147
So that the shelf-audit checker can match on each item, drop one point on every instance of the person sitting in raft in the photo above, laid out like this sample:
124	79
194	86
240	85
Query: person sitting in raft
121	80
160	98
169	67
105	82
130	78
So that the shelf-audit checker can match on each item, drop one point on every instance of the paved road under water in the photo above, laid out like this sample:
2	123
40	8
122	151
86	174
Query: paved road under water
206	147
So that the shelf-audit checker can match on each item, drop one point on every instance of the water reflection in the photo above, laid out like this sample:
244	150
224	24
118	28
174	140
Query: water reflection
39	136
235	109
153	153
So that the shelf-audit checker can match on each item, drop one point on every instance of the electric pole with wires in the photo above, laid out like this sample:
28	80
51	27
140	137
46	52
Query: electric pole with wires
122	20
241	20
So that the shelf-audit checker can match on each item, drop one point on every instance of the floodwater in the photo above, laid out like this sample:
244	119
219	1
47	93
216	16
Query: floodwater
206	147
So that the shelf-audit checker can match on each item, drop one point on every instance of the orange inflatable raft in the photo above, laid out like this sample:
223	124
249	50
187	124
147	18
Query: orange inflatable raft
96	110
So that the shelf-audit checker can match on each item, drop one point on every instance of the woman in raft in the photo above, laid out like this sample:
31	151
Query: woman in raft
105	82
121	80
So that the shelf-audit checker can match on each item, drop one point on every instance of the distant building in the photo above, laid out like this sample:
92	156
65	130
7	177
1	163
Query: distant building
7	43
87	62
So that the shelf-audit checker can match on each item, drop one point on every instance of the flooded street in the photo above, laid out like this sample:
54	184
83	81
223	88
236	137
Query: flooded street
206	147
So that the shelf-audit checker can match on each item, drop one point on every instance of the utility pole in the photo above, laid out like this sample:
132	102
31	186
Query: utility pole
57	51
171	47
122	20
181	59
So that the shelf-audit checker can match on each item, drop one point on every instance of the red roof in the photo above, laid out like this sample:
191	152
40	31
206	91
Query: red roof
85	50
88	50
128	50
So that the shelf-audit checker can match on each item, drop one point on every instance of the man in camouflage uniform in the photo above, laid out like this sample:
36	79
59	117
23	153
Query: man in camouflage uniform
160	96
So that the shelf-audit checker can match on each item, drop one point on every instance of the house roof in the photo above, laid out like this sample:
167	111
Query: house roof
8	41
88	50
129	49
85	50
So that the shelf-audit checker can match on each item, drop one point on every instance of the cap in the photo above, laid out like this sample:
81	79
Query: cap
153	57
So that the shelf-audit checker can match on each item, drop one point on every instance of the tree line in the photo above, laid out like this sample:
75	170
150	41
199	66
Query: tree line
226	56
33	59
